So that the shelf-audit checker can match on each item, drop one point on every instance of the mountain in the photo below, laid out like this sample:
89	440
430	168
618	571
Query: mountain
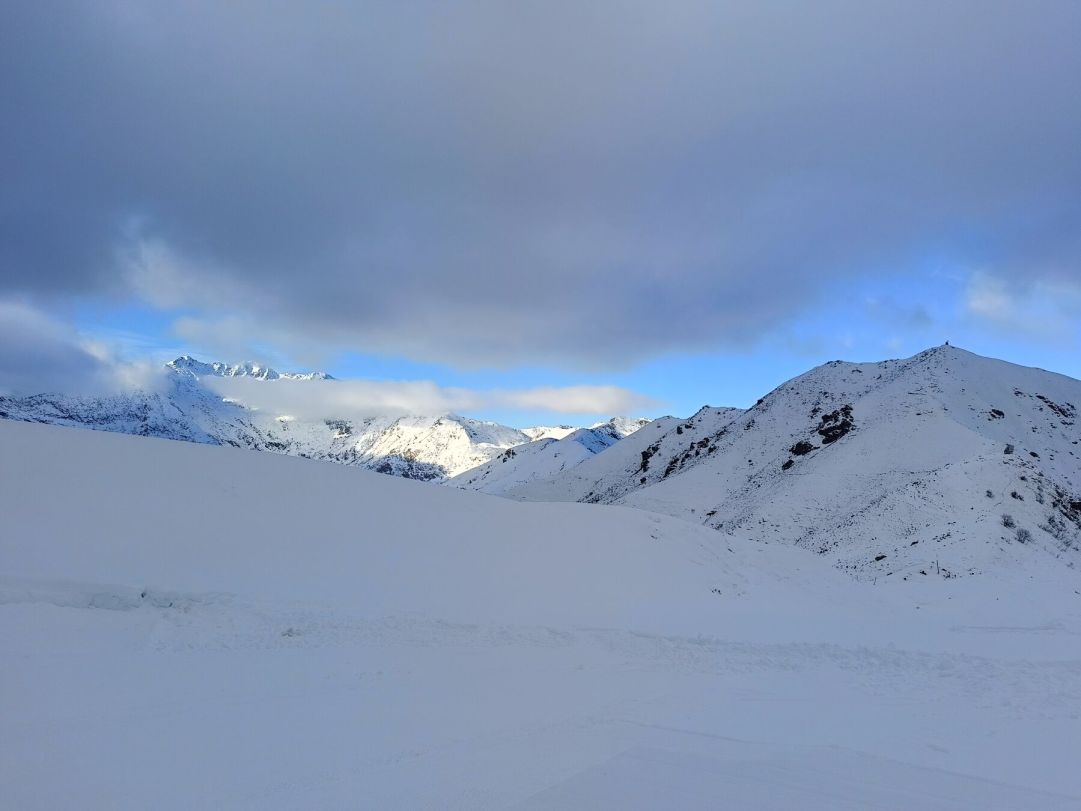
417	447
544	458
189	365
430	448
187	627
607	476
933	466
548	431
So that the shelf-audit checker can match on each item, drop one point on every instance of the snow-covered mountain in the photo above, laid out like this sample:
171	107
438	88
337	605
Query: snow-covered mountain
429	448
546	457
548	431
196	368
933	466
631	464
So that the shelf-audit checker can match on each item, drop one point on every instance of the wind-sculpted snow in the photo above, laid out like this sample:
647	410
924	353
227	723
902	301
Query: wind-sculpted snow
191	627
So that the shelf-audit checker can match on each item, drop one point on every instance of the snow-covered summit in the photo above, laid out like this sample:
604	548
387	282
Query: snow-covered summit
548	431
621	426
186	364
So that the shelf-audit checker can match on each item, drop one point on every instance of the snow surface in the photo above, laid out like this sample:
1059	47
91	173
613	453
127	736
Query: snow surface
189	626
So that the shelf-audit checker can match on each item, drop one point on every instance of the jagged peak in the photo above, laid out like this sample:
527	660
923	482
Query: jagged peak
197	368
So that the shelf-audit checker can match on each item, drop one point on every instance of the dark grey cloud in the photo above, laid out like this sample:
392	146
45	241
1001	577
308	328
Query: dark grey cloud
530	182
37	354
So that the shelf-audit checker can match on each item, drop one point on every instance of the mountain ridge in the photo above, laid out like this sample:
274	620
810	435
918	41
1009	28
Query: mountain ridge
930	465
182	407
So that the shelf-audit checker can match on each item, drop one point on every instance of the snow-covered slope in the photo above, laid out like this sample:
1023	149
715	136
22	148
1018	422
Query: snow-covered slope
932	466
633	463
374	542
546	457
417	447
188	626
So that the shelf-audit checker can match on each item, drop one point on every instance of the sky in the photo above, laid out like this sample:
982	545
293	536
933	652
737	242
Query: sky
536	212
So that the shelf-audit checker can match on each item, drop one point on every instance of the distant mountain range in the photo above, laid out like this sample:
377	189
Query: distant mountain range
429	448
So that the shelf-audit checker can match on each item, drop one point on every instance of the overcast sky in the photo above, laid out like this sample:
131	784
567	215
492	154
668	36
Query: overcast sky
688	201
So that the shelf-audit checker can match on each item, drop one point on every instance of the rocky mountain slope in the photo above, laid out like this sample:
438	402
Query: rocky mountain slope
933	466
183	408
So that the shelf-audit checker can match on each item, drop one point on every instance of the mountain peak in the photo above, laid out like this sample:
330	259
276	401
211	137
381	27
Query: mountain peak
621	427
188	365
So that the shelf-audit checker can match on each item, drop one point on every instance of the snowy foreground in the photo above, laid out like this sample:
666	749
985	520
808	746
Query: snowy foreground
186	626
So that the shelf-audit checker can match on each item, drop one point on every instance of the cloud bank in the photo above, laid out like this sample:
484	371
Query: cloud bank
357	399
40	354
484	183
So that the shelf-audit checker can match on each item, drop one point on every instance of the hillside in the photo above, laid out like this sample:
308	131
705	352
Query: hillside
934	466
633	464
191	626
546	457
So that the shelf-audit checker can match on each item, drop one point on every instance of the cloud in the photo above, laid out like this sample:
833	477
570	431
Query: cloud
988	297
575	400
39	354
484	183
357	399
1047	311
